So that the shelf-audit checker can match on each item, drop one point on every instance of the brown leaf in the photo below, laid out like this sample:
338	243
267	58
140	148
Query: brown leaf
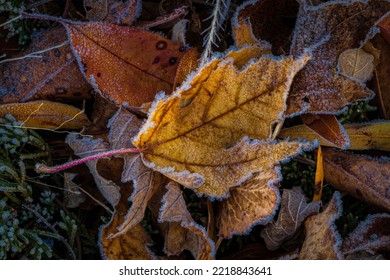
356	63
123	127
371	235
194	136
137	63
58	77
382	70
365	178
46	115
132	245
111	11
328	127
270	20
331	28
293	211
363	136
183	233
88	146
322	240
254	202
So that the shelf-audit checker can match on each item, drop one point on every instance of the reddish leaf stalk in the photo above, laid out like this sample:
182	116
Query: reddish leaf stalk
41	168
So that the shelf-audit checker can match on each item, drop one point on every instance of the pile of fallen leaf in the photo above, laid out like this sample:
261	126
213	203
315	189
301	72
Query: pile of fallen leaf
216	128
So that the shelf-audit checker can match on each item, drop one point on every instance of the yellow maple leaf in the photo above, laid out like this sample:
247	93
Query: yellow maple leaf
201	135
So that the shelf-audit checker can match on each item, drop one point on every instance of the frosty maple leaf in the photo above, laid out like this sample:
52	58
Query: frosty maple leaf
199	136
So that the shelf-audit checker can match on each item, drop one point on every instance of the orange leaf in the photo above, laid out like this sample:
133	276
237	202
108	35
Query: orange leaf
214	115
329	128
127	65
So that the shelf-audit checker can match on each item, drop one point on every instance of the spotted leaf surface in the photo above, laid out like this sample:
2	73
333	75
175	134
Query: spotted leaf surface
128	65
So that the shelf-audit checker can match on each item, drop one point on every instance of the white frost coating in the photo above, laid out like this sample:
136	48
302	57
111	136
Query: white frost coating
183	177
332	225
272	184
149	124
356	239
183	223
108	188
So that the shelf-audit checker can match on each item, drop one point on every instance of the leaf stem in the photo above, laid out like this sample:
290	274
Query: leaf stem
41	168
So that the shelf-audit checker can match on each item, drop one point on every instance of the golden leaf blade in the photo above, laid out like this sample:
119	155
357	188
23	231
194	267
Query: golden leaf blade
363	136
254	202
319	177
46	115
194	132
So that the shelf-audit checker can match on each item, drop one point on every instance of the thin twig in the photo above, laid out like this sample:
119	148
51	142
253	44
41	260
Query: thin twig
35	54
10	21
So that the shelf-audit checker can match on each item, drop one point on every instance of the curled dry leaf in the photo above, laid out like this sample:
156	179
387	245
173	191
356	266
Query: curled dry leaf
58	78
372	235
293	211
87	146
330	28
132	245
126	64
270	20
111	11
328	127
183	233
197	136
322	240
123	127
363	136
357	64
46	115
254	202
365	178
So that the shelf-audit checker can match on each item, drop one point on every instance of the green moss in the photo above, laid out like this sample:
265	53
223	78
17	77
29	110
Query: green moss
33	224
